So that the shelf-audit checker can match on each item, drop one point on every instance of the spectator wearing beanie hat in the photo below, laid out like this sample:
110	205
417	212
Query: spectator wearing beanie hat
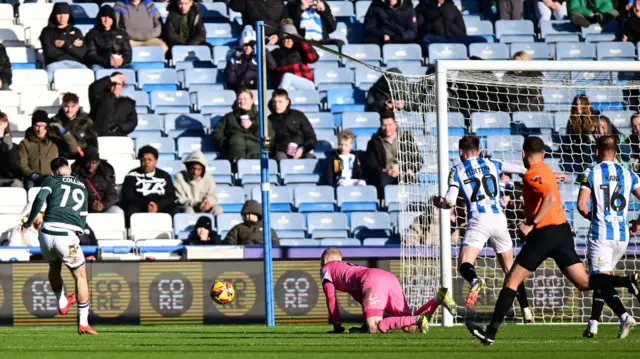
108	46
203	233
292	60
100	178
195	188
242	68
37	150
249	232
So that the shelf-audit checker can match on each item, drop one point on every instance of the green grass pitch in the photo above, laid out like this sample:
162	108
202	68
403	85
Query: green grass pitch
309	341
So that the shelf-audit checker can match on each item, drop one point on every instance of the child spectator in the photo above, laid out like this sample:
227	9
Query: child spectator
195	188
343	165
203	233
292	59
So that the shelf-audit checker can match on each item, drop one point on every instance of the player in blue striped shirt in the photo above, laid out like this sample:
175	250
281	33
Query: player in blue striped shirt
477	180
608	186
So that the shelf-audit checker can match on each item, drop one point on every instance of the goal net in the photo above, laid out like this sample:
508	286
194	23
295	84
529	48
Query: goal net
568	110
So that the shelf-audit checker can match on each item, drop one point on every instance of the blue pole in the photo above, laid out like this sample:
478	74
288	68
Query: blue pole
264	171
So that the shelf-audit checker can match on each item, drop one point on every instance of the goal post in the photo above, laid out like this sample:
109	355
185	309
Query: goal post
430	107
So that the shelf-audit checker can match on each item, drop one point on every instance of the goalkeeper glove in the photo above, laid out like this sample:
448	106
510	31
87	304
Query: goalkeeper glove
337	329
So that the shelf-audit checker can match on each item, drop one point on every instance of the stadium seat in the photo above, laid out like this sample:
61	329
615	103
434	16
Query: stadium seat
455	121
480	28
321	121
327	225
489	51
221	171
30	81
333	78
34	11
121	167
214	101
560	120
340	242
141	98
85	13
116	145
214	12
249	171
8	222
361	123
180	53
73	77
325	58
6	15
557	28
558	99
149	125
164	145
157	80
508	28
163	102
366	77
147	57
314	199
606	99
169	165
447	52
107	225
184	223
177	125
410	194
231	199
538	120
220	34
361	142
19	123
514	157
377	242
129	73
151	226
10	104
579	51
116	249
187	145
597	33
305	101
569	194
370	225
345	100
490	123
620	119
22	58
325	143
288	225
13	200
537	50
362	7
280	198
505	143
201	79
221	56
12	35
340	33
616	51
342	9
298	242
302	170
357	199
369	54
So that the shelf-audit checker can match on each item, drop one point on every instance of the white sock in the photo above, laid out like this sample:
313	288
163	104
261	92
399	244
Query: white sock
62	298
83	313
624	317
593	322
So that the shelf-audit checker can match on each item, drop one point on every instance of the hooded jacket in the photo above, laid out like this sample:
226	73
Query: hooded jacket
233	140
69	35
376	158
294	60
5	68
291	126
140	188
194	238
141	22
242	69
171	30
101	187
36	154
272	12
444	20
101	44
81	128
192	192
247	233
398	22
112	116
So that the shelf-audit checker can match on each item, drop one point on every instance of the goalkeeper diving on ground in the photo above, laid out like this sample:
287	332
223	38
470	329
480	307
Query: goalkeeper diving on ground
379	292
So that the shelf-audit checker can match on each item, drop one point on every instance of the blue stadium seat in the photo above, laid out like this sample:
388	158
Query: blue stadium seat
177	125
221	56
370	224
560	120
149	125
620	119
325	143
397	55
164	145
171	166
505	143
249	171
170	102
361	123
606	99
480	28
537	50
299	171
491	123
288	225
362	7
597	33
361	142
321	120
366	77
141	98
340	242
332	78
616	51
327	225
455	121
305	101
447	52
569	194
558	99
129	73
298	242
214	12
489	51
345	100
392	198
147	57
357	199
208	102
221	171
185	53
280	199
514	157
378	242
314	198
226	221
557	28
578	51
187	145
539	120
22	58
220	34
342	9
157	80
508	28
231	199
84	13
184	223
327	59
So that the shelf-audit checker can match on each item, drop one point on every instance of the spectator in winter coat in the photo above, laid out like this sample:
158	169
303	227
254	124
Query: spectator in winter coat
511	9
381	165
546	8
379	95
249	232
314	20
72	119
184	25
390	22
587	12
108	46
148	189
292	58
5	69
344	167
112	114
514	98
440	21
203	233
37	150
10	172
272	12
100	178
631	31
62	43
195	188
141	20
237	135
242	68
294	135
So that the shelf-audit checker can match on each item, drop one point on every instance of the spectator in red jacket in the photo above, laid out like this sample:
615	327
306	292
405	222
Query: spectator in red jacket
390	22
292	59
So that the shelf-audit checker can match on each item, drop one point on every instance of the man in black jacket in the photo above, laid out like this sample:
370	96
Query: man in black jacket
108	46
314	20
390	22
440	21
148	189
62	43
272	12
184	25
100	178
112	115
381	166
294	135
5	69
242	68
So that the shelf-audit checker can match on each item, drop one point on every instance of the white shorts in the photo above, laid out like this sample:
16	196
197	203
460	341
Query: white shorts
489	225
59	243
603	255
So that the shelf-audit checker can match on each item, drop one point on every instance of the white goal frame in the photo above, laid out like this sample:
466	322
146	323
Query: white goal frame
445	66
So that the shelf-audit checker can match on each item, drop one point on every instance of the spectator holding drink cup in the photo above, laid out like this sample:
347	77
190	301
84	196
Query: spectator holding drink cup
294	137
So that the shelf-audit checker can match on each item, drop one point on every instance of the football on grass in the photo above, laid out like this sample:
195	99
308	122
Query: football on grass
222	292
